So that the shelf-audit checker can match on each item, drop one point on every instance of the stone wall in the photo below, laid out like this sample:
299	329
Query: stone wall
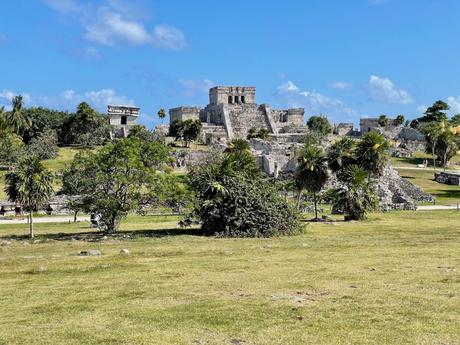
343	129
184	113
232	95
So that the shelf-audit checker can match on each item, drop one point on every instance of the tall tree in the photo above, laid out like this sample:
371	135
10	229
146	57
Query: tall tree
437	112
432	131
118	179
30	184
357	194
372	152
161	114
341	154
311	172
17	119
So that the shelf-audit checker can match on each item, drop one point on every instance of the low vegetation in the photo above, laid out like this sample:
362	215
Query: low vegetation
389	280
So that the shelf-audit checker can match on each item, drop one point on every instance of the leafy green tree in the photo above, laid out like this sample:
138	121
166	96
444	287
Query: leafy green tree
17	119
30	184
455	120
43	120
447	146
141	132
341	154
44	146
11	147
357	194
432	131
119	178
319	124
86	128
311	172
372	152
437	112
187	130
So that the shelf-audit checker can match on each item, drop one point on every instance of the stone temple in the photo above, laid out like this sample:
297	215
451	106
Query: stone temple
232	111
122	118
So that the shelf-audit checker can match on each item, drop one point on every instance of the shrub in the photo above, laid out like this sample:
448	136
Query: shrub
232	198
236	207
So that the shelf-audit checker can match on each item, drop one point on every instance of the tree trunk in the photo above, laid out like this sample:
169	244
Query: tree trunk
316	206
75	216
434	156
31	224
299	195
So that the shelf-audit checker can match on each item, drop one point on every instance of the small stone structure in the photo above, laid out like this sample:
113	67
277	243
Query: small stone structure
122	118
448	177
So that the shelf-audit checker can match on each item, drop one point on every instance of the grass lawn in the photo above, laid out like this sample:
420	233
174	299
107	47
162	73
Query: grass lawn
393	279
65	156
445	194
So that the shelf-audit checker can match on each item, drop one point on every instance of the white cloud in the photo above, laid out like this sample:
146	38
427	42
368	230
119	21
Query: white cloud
384	90
116	23
69	99
341	85
169	37
112	28
313	102
454	104
6	97
195	88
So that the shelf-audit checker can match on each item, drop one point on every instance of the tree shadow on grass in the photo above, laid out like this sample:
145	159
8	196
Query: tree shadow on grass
97	236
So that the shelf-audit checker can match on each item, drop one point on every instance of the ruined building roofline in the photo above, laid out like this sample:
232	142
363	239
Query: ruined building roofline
222	87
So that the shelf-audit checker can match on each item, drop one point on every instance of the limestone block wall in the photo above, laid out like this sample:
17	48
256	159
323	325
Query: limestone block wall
245	116
184	113
232	94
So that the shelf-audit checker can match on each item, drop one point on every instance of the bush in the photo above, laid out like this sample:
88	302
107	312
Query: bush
44	146
231	202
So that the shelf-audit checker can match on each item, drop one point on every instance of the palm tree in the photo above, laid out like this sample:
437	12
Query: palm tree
340	154
372	152
161	114
30	184
17	119
239	159
311	172
357	194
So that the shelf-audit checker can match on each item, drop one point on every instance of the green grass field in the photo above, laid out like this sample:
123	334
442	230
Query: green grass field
393	279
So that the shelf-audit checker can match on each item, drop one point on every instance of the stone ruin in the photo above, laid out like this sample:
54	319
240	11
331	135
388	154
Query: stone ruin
122	118
232	111
448	177
405	140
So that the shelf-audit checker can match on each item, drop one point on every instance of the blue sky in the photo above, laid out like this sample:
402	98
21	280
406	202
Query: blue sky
346	59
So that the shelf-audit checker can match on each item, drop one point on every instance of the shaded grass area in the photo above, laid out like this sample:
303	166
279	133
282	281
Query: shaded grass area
390	280
445	194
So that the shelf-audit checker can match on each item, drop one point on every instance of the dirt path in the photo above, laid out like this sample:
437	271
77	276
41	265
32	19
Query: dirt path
60	219
436	207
